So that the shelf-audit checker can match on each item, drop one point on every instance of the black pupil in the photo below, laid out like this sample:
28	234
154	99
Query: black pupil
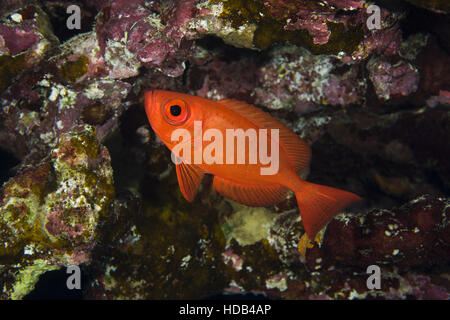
175	110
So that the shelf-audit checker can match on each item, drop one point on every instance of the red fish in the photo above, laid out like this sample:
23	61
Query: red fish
244	183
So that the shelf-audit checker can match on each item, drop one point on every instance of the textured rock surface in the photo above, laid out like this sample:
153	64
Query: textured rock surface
86	181
51	212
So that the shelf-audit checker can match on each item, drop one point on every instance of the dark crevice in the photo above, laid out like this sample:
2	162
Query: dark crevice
7	163
57	12
228	53
125	148
52	285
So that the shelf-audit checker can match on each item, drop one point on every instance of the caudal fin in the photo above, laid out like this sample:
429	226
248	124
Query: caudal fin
319	204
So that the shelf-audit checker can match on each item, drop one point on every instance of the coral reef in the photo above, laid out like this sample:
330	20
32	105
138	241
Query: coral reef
404	237
131	35
51	212
92	185
294	78
25	37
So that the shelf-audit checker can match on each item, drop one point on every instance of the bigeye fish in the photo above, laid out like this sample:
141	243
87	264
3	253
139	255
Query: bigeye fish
208	122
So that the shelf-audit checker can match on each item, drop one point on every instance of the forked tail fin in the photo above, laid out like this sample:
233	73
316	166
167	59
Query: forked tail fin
319	204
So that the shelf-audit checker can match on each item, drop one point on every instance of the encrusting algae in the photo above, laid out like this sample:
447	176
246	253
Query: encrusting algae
51	211
73	70
271	29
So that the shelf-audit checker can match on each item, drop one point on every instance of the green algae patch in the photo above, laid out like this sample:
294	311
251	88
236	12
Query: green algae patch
20	217
73	70
28	277
85	144
77	148
240	12
342	38
10	67
270	30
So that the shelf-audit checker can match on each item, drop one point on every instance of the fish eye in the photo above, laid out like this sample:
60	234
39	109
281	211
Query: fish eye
176	112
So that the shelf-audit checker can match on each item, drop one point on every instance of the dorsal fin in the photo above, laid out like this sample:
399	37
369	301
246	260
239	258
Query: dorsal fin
297	150
253	195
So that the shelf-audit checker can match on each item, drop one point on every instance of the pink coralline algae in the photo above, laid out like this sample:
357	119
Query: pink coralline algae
230	258
296	78
219	79
15	39
22	29
310	15
25	37
384	41
393	80
131	30
442	98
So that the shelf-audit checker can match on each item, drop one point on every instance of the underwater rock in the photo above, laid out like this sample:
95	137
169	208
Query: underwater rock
292	78
439	6
210	21
393	81
159	245
217	79
397	240
296	79
338	29
99	104
26	28
79	59
39	99
416	234
50	212
55	108
434	65
442	98
25	36
131	34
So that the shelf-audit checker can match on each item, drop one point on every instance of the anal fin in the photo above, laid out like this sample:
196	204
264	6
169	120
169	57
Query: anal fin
254	195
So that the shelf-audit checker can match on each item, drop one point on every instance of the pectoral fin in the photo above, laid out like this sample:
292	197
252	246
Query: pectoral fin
189	179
